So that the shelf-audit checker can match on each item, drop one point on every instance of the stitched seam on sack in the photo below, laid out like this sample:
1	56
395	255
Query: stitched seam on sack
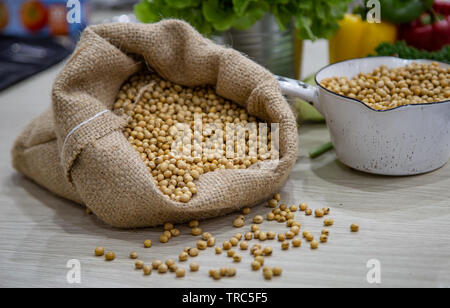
78	127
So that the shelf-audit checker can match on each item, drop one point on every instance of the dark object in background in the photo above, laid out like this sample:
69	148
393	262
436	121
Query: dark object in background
21	58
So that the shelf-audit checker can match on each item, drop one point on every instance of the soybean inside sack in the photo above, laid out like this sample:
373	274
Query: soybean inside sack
77	148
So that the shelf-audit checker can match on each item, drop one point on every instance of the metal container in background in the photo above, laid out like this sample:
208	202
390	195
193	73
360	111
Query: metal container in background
266	44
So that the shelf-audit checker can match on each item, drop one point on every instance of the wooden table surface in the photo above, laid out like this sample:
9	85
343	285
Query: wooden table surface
405	224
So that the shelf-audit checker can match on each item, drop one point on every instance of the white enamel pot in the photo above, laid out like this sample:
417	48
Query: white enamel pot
407	140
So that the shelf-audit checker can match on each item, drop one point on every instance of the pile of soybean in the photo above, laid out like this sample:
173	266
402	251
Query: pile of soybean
387	88
159	110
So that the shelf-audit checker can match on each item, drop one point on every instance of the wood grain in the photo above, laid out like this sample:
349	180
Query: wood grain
404	224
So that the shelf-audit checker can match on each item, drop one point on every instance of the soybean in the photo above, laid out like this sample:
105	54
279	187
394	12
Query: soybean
99	251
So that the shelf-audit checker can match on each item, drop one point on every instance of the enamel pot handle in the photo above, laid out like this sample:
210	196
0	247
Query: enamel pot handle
299	89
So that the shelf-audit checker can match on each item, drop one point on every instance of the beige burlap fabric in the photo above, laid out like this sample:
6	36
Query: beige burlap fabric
79	153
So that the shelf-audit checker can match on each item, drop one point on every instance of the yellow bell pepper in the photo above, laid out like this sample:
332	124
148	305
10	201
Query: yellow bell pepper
357	38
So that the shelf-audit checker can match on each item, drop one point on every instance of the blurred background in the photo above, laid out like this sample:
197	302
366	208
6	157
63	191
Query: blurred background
37	34
292	38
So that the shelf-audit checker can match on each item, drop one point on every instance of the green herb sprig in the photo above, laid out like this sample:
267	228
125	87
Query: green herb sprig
401	50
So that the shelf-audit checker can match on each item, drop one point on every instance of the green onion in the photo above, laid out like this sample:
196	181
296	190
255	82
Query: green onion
321	150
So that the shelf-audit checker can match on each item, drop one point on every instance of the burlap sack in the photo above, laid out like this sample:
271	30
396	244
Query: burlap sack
77	152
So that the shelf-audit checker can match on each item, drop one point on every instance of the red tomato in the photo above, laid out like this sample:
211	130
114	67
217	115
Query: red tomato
34	15
4	18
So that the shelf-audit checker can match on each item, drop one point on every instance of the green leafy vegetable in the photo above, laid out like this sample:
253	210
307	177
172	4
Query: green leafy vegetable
254	12
318	19
313	19
219	13
401	50
146	12
240	6
181	4
149	11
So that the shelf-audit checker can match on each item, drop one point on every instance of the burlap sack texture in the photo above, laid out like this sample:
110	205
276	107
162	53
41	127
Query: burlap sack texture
97	166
